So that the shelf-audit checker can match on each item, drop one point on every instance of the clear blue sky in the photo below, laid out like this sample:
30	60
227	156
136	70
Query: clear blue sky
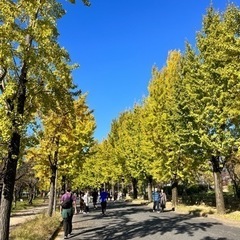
117	42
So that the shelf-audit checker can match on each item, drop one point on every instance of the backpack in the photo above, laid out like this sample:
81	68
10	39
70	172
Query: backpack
67	203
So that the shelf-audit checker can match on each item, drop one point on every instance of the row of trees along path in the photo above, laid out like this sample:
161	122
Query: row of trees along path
187	129
184	130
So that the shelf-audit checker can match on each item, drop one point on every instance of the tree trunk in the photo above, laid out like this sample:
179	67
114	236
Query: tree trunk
174	194
10	163
113	190
234	179
53	180
9	175
218	186
55	193
236	188
135	191
219	193
30	198
15	198
52	190
150	188
63	184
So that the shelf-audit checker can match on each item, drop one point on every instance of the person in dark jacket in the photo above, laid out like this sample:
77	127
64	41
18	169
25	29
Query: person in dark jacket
163	200
95	198
156	200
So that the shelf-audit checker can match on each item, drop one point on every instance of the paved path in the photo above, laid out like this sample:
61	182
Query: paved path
127	221
25	215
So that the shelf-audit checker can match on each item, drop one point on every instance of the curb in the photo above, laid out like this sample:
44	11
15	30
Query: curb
55	233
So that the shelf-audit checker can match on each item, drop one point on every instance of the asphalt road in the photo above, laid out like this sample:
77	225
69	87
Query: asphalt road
127	221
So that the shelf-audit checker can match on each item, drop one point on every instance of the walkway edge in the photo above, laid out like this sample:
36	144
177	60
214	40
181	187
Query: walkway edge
55	233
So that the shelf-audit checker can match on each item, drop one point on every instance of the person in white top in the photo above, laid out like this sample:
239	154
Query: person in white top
86	199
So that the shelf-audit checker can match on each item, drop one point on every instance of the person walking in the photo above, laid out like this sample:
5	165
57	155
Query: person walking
67	209
156	200
95	198
86	199
81	203
103	200
163	200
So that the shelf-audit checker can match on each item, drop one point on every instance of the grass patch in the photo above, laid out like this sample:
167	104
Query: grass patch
204	211
22	205
232	216
199	210
140	201
39	228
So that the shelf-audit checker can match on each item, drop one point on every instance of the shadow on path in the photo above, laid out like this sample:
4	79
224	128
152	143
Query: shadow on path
126	221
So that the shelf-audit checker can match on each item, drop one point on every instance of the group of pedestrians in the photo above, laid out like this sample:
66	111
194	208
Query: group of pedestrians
68	206
159	200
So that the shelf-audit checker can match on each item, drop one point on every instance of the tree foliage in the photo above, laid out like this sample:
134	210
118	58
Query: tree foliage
35	77
191	116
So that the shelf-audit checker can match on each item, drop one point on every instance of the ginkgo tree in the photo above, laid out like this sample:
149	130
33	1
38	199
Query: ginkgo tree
46	153
166	125
77	142
127	138
64	143
212	74
100	169
33	69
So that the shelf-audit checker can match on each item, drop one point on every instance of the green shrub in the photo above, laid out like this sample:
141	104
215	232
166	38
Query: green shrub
199	188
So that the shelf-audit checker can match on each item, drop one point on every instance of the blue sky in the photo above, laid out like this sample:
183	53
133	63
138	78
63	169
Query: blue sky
117	42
